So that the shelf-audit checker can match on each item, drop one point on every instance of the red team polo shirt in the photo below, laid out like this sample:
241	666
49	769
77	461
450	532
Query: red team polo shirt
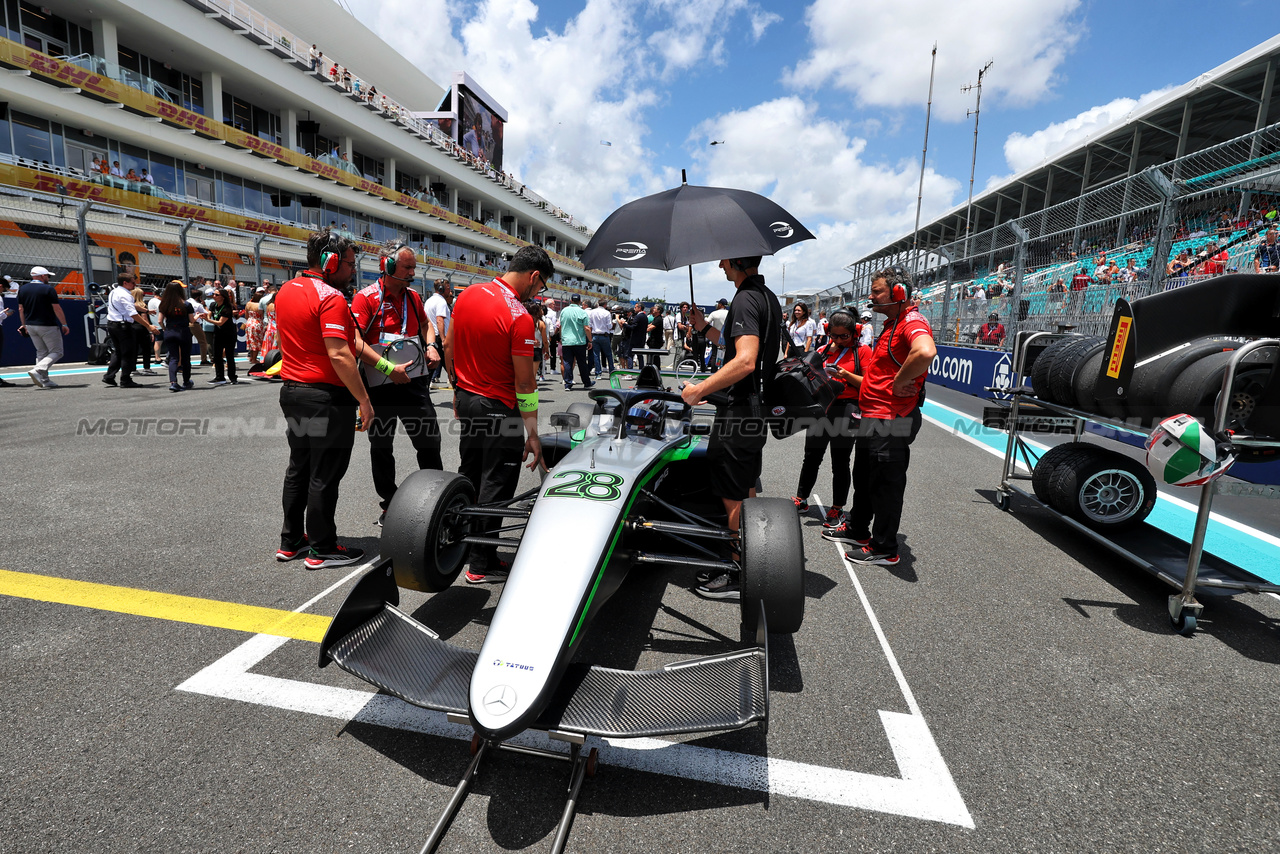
489	327
392	311
876	398
307	312
847	358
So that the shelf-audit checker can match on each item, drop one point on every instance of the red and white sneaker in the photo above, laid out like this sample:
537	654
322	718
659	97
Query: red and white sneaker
337	556
286	554
834	517
866	557
802	506
843	534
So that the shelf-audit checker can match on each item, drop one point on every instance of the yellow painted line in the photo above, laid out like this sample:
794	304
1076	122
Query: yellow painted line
165	606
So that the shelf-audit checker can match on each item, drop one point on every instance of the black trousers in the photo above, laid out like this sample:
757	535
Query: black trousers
142	342
576	354
553	340
125	358
224	351
178	344
321	425
881	456
411	405
836	432
490	447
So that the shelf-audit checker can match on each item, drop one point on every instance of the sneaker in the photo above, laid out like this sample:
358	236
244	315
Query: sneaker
217	382
842	533
490	576
866	557
147	372
802	506
568	386
35	378
174	387
723	586
5	383
382	517
590	385
109	380
337	556
233	382
128	384
283	554
834	517
188	384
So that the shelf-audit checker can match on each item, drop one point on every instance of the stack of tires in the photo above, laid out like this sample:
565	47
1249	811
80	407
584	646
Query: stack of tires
1184	380
1100	488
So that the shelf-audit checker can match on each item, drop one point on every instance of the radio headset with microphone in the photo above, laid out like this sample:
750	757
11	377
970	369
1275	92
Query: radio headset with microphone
387	266
330	260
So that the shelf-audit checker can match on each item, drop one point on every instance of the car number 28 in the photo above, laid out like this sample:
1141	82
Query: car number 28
592	485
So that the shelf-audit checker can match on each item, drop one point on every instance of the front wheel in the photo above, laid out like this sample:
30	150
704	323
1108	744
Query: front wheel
772	552
422	532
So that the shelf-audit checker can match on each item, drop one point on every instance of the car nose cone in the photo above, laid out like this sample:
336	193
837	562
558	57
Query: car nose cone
500	700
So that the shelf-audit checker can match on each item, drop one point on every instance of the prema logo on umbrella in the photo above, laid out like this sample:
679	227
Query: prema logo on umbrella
631	251
782	229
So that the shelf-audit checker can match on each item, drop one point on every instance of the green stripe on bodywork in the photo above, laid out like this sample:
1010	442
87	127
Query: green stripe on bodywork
669	456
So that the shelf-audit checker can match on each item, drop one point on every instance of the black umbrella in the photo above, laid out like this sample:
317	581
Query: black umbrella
689	225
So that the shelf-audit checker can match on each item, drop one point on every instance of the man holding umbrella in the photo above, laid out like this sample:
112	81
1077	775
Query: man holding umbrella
736	451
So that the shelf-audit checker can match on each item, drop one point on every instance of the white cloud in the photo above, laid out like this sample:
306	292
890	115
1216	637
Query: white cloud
880	51
1025	151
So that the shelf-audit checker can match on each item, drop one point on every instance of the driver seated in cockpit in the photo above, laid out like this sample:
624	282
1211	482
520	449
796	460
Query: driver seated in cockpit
645	417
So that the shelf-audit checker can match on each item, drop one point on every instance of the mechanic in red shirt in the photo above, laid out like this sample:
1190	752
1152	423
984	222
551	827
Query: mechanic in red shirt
845	360
319	398
890	397
387	312
488	353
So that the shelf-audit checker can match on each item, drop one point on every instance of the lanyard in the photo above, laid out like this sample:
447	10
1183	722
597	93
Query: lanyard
404	312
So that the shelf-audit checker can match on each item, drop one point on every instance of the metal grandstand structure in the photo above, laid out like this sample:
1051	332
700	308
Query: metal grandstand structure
1196	170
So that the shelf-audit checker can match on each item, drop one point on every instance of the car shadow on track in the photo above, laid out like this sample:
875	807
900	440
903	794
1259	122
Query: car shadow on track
1227	619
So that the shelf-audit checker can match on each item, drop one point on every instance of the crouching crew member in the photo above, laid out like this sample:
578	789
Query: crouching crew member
890	398
386	311
489	356
752	333
319	399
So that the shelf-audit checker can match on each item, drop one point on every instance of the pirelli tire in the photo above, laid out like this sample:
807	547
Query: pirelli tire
1065	367
272	357
772	559
1043	363
1044	468
1103	490
1151	382
1197	388
422	531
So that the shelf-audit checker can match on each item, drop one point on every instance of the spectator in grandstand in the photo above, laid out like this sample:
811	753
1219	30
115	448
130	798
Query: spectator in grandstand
1129	274
315	56
1081	280
991	332
146	178
41	319
1180	266
890	396
801	331
174	317
116	171
1102	270
1267	259
1215	262
844	359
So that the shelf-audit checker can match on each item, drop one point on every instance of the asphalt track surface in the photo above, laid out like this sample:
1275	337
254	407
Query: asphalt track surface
1009	687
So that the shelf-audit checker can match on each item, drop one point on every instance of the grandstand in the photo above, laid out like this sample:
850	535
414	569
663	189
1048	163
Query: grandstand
1197	170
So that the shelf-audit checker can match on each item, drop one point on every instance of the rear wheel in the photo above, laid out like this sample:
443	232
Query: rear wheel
772	564
272	357
422	532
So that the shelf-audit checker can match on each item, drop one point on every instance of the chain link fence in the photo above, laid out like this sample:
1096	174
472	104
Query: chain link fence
1192	218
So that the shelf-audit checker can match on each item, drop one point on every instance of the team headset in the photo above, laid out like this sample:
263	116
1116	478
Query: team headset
387	265
330	260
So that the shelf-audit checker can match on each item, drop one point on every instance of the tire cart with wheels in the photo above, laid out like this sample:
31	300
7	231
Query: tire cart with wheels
1105	495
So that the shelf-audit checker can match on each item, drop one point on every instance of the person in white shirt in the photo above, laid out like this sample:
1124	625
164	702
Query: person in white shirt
716	319
116	171
439	310
868	335
601	322
147	179
157	335
122	313
802	330
552	319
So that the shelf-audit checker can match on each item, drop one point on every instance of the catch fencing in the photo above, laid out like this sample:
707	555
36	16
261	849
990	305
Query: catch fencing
1166	226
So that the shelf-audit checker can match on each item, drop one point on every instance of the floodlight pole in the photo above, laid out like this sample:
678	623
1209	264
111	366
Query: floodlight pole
928	111
973	166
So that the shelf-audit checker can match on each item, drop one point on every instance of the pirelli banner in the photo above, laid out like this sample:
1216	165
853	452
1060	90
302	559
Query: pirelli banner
20	56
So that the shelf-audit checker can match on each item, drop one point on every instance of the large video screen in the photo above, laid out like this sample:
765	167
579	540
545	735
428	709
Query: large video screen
480	129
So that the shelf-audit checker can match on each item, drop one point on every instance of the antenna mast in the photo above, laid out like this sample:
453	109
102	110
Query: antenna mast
974	164
928	111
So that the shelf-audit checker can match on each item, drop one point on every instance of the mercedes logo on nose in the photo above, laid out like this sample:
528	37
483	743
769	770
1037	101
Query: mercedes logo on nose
500	700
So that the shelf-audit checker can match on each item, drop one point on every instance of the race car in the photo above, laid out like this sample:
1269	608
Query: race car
625	488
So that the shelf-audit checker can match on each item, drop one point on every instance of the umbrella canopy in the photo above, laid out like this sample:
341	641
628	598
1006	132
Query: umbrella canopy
689	225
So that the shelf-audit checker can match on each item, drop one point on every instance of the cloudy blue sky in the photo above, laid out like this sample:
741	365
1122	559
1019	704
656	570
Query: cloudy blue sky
820	106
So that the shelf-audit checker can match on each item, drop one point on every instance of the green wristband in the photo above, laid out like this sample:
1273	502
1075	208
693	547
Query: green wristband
527	402
384	366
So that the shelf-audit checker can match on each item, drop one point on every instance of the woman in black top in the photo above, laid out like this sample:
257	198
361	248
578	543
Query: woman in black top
175	318
222	316
654	341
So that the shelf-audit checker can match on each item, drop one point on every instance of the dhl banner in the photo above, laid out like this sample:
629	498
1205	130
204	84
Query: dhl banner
24	57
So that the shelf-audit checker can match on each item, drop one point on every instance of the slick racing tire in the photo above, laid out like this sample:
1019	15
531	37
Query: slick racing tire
772	551
1196	389
1065	367
422	533
1044	468
1104	490
1151	382
1043	363
272	357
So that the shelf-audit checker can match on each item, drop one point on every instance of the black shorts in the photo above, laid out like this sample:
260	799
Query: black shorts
735	452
